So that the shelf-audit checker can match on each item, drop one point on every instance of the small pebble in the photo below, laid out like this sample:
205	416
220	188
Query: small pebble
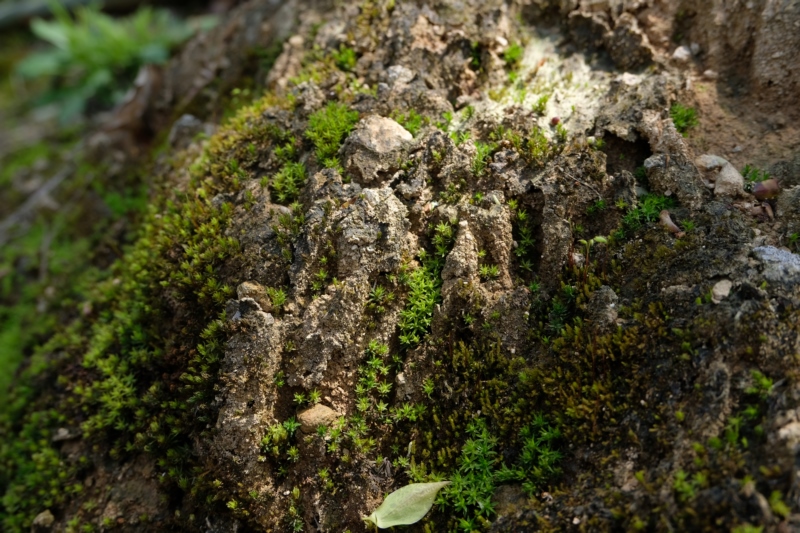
766	189
721	290
682	54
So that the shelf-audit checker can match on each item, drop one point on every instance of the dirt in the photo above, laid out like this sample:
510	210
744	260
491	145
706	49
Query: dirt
736	129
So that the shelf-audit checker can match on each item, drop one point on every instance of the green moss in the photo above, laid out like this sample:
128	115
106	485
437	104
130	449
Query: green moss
489	272
753	175
279	442
379	298
139	376
287	182
447	119
38	480
473	482
115	363
541	104
523	231
50	266
482	153
513	55
327	129
684	118
538	461
424	288
648	211
537	148
476	56
412	121
345	58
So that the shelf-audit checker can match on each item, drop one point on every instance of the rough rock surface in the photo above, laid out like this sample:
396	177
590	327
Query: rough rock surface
316	416
371	152
475	288
247	396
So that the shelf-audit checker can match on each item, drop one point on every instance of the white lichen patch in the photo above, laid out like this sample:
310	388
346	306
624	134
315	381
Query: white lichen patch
570	82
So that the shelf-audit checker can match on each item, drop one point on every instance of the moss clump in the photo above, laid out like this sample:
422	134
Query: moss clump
513	55
111	369
754	174
345	58
523	231
539	460
684	117
327	128
39	480
288	181
535	148
646	213
480	468
424	288
473	483
540	106
483	152
412	121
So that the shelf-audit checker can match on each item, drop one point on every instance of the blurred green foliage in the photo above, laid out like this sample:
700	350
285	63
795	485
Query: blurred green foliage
94	57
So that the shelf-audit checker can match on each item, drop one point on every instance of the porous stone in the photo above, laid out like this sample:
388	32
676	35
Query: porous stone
246	395
708	162
251	289
330	324
43	522
364	227
787	209
462	261
318	415
628	45
399	75
370	151
682	54
729	182
780	266
721	290
185	129
603	308
670	170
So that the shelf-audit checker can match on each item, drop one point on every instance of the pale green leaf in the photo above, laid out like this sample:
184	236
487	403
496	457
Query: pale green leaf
41	64
406	505
51	32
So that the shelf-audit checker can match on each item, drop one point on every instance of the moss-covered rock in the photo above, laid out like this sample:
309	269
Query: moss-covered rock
480	295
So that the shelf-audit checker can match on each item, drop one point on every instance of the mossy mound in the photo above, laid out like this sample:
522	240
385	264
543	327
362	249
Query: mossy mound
324	303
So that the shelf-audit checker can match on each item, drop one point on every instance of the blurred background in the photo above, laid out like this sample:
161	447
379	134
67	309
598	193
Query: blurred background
68	68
